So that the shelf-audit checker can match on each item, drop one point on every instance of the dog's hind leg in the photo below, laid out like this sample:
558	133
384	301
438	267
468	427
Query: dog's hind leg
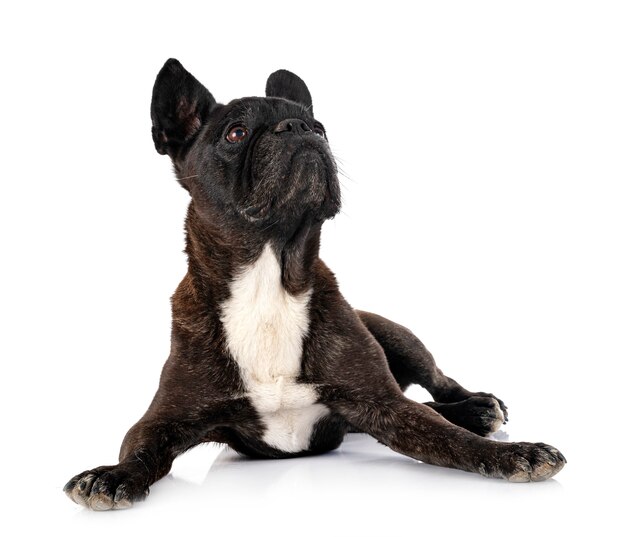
411	363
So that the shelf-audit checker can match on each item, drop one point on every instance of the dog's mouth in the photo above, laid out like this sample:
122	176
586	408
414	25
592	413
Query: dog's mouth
255	213
287	187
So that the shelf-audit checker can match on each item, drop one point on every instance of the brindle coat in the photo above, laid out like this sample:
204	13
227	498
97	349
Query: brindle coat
262	181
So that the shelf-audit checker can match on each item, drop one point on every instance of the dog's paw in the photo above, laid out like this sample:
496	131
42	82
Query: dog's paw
484	414
480	414
523	462
503	408
107	487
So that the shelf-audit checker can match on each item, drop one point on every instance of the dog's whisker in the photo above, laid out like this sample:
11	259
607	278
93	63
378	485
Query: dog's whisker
271	225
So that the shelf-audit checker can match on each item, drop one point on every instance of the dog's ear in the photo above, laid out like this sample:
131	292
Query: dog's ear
283	83
180	106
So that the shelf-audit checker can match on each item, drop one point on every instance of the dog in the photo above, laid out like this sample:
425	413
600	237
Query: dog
266	354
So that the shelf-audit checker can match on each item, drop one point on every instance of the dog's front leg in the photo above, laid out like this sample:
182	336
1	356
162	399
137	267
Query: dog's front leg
147	453
418	431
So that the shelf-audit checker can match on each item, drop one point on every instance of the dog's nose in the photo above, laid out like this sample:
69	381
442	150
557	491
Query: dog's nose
292	125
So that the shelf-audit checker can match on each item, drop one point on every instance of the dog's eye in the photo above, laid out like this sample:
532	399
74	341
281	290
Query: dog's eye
237	134
318	129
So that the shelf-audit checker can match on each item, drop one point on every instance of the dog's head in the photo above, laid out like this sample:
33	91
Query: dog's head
261	162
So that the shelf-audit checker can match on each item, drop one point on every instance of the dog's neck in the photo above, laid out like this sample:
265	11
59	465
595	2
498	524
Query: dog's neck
217	252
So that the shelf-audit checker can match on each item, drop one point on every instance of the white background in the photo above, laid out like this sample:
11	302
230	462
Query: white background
483	151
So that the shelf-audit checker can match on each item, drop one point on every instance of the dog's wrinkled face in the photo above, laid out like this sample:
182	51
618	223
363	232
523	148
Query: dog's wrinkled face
268	159
263	162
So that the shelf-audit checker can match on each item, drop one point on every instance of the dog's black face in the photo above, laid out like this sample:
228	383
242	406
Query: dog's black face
260	162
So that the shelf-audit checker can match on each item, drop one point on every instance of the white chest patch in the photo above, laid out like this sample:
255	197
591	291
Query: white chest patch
265	327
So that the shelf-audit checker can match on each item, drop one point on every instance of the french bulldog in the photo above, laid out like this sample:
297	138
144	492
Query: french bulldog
266	354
